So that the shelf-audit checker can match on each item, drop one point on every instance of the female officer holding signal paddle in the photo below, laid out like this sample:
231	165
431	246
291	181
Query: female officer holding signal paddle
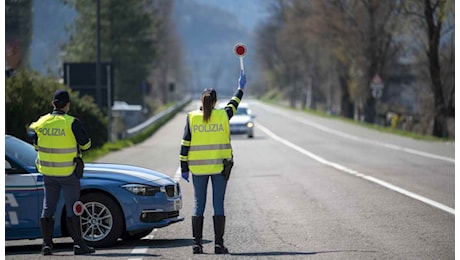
206	152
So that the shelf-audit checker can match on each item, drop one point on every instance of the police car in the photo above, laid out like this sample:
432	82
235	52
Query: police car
121	201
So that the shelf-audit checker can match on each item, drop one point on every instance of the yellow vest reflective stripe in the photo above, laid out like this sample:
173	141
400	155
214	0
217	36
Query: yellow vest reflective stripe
54	164
56	150
210	147
56	145
205	162
210	142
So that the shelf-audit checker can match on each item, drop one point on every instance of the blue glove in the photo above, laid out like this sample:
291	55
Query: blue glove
185	176
242	79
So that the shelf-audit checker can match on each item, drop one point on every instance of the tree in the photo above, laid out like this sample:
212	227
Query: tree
283	53
129	40
29	95
335	31
18	32
168	67
308	43
433	16
313	41
366	28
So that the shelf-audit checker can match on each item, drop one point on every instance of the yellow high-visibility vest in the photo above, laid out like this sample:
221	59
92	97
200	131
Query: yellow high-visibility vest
56	145
210	142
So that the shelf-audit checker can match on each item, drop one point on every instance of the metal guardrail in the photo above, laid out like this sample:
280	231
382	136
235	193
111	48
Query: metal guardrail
146	124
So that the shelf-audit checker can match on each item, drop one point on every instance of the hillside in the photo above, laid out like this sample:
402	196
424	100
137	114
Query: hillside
208	31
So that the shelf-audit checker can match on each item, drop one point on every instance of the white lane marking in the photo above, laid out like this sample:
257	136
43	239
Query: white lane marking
142	249
355	138
356	173
152	235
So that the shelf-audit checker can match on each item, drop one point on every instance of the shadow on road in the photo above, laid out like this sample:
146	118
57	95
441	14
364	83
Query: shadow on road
278	253
162	243
127	245
22	250
65	249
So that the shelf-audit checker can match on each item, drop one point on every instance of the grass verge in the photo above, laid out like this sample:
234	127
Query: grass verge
383	129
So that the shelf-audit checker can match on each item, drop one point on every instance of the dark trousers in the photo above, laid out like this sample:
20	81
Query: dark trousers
200	185
70	185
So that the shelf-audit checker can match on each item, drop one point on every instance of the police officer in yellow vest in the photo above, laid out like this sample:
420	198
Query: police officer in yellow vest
205	145
59	138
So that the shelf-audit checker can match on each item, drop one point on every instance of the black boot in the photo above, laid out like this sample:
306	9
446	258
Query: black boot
219	229
197	229
47	225
79	246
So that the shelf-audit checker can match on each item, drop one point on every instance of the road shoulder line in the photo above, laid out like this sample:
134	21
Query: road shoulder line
359	139
356	173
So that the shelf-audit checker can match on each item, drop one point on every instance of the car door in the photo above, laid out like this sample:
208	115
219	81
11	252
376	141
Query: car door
24	199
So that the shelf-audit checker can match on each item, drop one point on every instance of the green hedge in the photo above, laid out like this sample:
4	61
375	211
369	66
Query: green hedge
28	96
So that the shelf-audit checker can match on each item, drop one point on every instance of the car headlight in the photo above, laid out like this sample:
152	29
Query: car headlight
141	190
250	124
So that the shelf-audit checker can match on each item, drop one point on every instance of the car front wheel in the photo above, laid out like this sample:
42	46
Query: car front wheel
102	220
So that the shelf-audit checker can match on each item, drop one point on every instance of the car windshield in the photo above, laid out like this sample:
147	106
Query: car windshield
242	111
22	151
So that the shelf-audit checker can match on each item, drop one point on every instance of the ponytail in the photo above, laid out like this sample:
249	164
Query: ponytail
208	100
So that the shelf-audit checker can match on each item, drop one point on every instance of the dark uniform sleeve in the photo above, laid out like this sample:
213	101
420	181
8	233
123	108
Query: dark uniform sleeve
232	105
33	137
185	147
83	140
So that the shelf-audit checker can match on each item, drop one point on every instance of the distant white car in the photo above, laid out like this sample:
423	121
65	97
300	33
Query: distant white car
243	121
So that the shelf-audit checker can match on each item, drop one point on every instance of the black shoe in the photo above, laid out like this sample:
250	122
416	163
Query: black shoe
220	249
197	249
83	249
46	250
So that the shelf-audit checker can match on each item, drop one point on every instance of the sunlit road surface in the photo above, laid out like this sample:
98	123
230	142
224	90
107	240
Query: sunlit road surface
304	187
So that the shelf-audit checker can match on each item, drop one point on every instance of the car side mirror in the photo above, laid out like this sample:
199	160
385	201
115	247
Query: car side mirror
8	165
9	169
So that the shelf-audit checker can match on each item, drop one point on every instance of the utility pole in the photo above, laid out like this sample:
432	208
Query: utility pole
98	72
98	57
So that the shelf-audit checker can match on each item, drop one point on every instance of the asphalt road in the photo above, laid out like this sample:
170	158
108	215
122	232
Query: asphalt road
304	188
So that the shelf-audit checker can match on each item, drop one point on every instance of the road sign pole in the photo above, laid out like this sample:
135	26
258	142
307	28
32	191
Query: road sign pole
376	86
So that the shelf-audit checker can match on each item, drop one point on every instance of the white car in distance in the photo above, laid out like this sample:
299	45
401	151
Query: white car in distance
242	121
